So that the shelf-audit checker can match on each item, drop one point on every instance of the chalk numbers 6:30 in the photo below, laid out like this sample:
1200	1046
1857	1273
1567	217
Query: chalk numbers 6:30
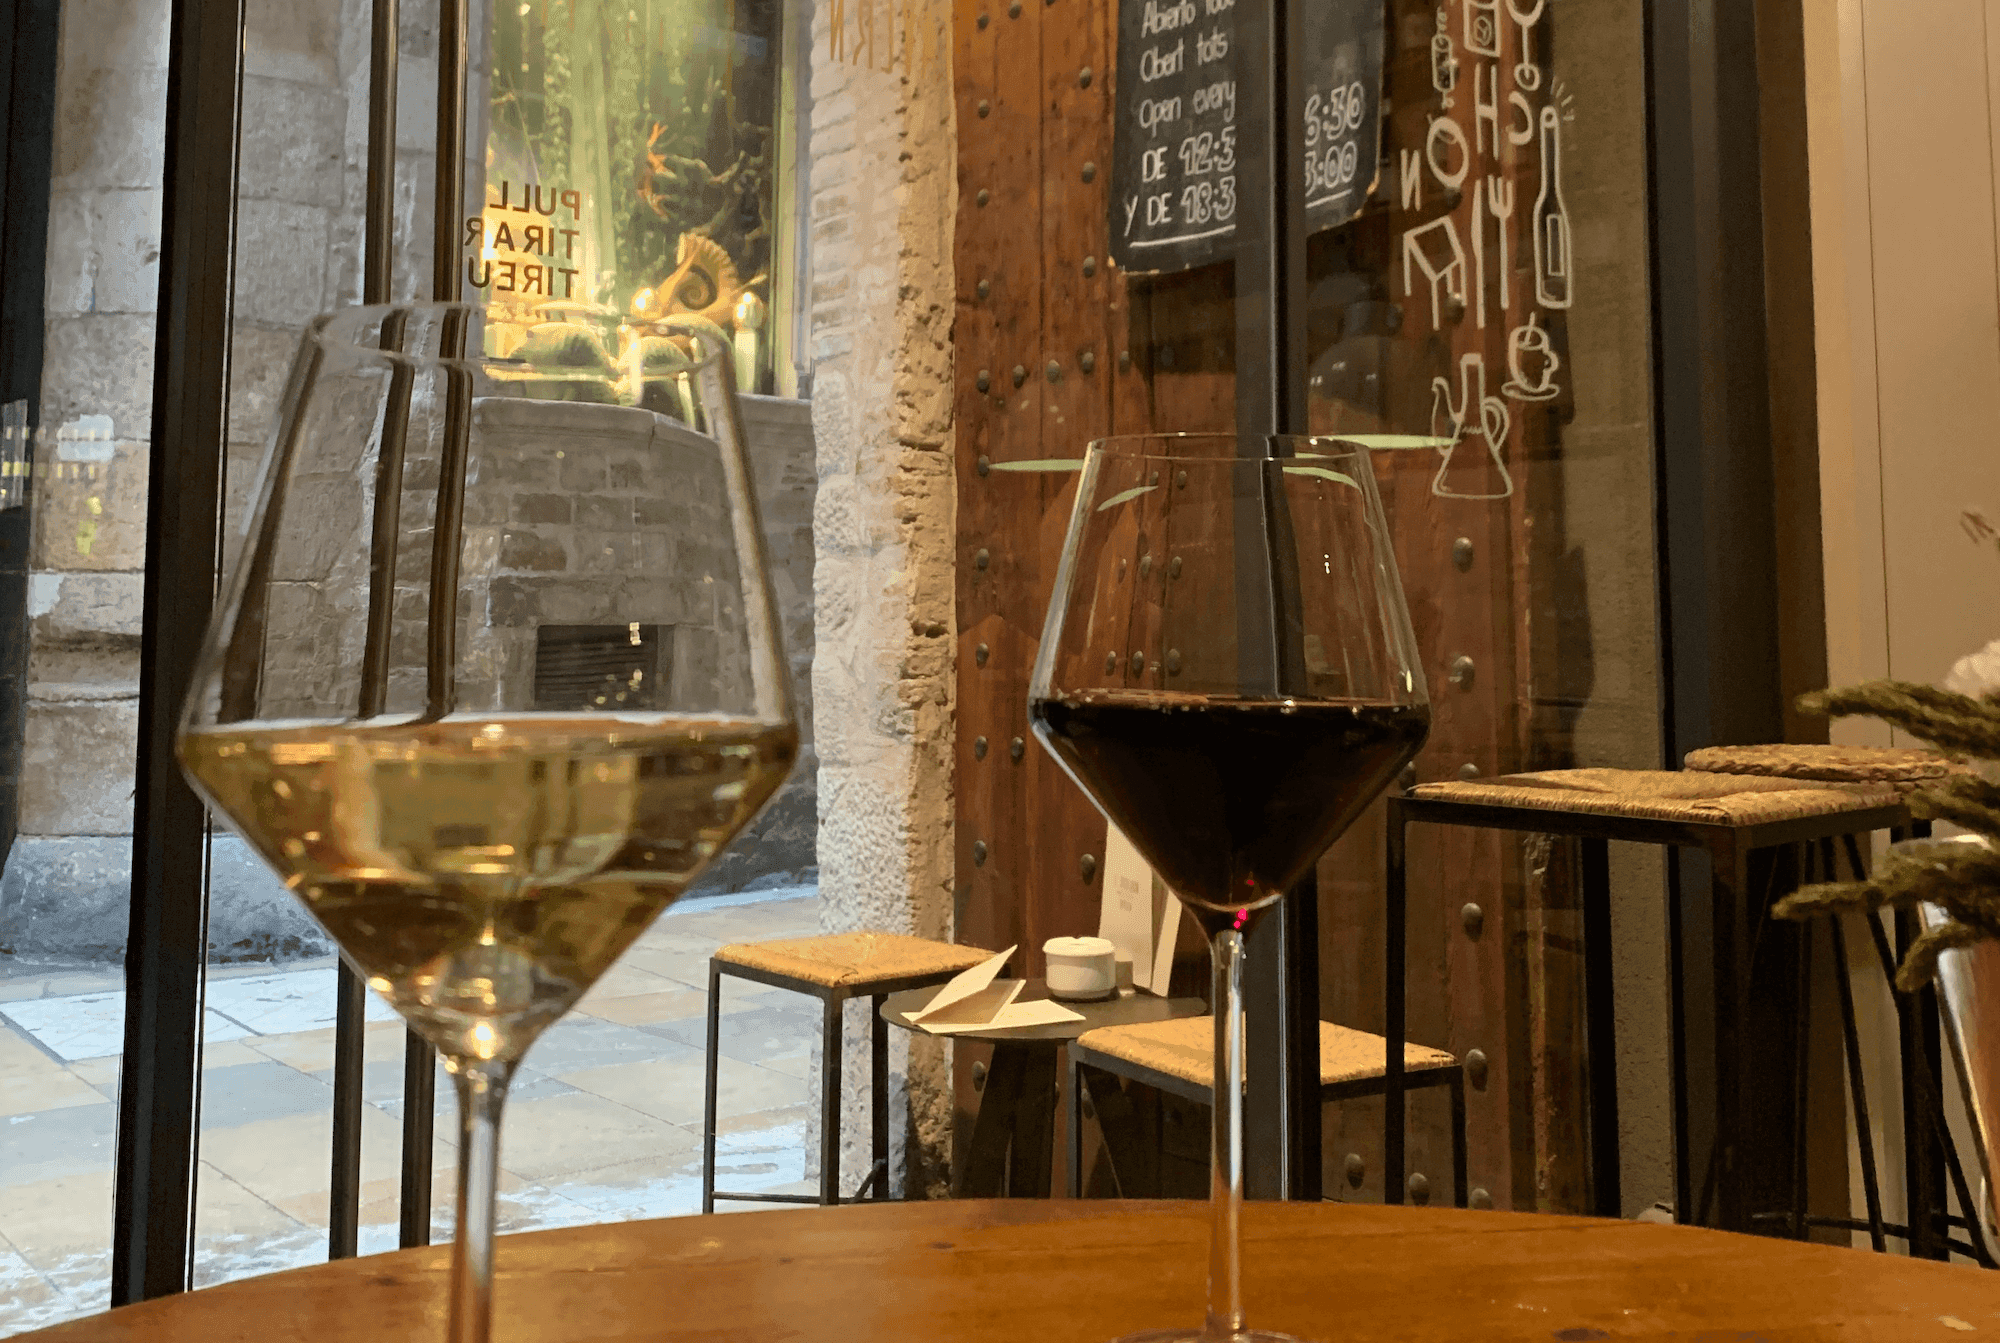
1332	155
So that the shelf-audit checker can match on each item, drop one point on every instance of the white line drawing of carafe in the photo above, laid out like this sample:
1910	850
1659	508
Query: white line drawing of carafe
1554	261
1527	74
1453	414
1444	64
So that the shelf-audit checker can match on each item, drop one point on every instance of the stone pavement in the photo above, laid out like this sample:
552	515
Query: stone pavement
604	1123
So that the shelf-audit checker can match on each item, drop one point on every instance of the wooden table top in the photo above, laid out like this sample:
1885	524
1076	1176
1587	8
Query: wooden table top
1088	1272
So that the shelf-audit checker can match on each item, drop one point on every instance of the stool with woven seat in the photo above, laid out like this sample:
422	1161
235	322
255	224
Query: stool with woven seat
1930	1153
1730	817
1178	1057
832	969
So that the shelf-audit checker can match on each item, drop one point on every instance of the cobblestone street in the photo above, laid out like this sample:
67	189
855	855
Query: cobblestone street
604	1123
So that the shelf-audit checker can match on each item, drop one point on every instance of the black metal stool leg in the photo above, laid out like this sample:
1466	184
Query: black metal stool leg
1395	915
1458	1173
1073	1130
708	1088
1802	1084
878	1085
829	1103
1601	1025
1857	1085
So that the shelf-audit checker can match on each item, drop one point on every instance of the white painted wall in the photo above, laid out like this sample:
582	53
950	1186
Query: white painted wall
1906	135
1904	131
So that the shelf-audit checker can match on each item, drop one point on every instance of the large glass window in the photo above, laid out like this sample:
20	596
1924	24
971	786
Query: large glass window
638	156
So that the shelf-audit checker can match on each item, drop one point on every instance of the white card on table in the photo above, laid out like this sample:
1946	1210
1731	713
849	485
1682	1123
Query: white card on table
1125	919
1140	916
1166	935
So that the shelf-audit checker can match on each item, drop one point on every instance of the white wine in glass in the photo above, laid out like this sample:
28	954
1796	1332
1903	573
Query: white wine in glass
483	872
496	676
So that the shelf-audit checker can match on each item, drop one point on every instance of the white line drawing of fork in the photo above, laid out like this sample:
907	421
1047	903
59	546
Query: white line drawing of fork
1500	204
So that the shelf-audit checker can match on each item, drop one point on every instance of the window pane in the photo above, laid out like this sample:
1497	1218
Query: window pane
71	554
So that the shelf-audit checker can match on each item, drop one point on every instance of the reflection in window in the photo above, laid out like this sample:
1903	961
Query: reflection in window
631	165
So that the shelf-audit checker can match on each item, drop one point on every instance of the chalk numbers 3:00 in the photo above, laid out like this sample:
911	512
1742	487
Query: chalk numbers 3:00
1332	156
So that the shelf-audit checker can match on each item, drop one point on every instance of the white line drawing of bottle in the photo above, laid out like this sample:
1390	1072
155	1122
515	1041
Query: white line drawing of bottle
1444	64
1554	259
1491	421
1527	74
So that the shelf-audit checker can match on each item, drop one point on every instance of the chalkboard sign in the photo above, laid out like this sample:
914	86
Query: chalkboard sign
1173	180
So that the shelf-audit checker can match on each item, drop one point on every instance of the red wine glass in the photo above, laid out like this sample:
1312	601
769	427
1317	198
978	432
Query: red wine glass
1227	669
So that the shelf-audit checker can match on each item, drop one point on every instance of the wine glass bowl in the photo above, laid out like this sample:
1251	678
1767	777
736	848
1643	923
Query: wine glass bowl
1227	670
496	675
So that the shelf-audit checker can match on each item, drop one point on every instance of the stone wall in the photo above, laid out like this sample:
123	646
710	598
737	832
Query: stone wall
883	203
66	881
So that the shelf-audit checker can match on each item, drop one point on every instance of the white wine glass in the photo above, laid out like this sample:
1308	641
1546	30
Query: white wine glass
1228	670
496	674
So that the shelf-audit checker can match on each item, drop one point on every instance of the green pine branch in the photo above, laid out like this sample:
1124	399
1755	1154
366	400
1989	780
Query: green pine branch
1965	883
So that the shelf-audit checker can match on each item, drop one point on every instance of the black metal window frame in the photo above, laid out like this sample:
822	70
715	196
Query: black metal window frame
159	1092
28	42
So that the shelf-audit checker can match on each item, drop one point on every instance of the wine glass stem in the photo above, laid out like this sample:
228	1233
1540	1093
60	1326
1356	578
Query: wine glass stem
482	1091
1225	1260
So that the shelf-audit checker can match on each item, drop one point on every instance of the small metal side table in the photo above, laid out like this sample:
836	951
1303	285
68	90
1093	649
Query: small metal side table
1012	1148
1730	817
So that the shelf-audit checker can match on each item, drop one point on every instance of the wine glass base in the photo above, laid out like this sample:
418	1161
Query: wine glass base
1200	1336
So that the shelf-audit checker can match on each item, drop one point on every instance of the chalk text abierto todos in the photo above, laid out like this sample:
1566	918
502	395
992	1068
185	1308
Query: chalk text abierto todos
1174	185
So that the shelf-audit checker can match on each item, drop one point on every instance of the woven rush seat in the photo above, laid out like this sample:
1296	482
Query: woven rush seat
1667	795
852	960
1178	1057
1834	764
1185	1048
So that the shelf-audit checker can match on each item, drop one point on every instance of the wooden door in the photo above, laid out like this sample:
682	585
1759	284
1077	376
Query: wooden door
1054	346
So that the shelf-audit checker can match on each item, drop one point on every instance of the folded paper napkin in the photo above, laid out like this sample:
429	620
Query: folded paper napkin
978	1000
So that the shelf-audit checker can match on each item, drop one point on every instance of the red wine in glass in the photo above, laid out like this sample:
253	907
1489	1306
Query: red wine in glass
1228	670
1231	800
